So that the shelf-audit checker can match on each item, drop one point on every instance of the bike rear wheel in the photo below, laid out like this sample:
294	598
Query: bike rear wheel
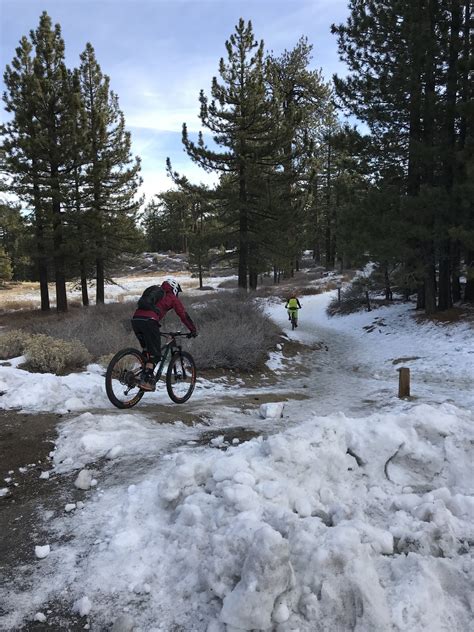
181	377
294	322
122	378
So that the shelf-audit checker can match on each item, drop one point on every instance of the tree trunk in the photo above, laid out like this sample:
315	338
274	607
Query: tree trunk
243	232
58	255
84	288
200	269
253	279
444	290
100	281
455	274
42	263
388	289
430	287
42	260
420	297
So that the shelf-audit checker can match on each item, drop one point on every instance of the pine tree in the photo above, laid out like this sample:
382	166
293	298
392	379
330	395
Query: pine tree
21	154
304	101
403	58
112	175
239	116
80	237
37	143
167	221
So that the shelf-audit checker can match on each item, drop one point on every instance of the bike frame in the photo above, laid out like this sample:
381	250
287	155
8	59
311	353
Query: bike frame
166	350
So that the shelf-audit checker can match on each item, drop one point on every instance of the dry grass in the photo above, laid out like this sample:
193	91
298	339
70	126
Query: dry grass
456	314
13	305
234	333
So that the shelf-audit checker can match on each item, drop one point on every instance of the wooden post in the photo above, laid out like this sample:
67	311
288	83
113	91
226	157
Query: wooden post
403	382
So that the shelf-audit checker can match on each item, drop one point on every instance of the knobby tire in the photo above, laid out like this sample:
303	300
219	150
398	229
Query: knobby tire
118	379
181	367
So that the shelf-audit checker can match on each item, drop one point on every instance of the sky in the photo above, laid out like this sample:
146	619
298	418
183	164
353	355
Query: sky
160	53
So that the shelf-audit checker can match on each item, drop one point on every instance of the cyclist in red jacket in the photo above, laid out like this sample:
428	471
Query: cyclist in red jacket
146	325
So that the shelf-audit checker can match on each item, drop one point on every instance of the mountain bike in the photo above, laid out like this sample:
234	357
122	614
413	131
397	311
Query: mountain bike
126	367
294	319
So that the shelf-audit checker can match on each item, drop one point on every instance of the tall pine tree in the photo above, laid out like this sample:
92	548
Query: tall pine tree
242	125
112	174
37	144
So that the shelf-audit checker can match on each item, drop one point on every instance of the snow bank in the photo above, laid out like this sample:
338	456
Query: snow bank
90	437
36	392
334	524
354	536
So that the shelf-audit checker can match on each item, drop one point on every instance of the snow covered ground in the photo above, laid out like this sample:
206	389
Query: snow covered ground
352	511
124	288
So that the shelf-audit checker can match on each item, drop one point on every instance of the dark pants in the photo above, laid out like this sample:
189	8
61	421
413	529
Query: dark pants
147	331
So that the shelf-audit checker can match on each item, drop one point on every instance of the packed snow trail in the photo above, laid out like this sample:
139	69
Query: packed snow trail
353	511
355	370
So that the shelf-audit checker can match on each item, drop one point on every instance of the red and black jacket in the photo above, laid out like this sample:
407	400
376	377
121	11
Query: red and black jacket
163	306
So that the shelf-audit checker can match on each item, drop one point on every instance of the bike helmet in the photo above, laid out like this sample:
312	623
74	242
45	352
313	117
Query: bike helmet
174	285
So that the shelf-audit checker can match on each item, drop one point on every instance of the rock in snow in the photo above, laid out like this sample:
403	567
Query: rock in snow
83	606
39	616
124	623
271	410
69	507
42	551
85	479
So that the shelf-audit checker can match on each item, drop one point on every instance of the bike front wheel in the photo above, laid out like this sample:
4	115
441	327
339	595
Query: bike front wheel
122	378
181	377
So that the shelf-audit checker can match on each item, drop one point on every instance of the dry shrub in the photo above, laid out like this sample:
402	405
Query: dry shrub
102	329
311	291
49	355
12	343
353	299
234	333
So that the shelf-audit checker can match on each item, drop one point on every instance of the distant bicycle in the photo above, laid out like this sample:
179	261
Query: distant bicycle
292	306
126	367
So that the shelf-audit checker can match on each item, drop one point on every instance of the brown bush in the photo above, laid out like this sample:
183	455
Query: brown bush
44	354
12	343
234	333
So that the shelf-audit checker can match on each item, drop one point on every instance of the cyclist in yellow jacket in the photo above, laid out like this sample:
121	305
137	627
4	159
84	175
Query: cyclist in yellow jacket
292	306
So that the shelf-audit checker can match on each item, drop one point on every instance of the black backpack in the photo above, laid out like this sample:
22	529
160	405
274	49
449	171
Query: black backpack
150	297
